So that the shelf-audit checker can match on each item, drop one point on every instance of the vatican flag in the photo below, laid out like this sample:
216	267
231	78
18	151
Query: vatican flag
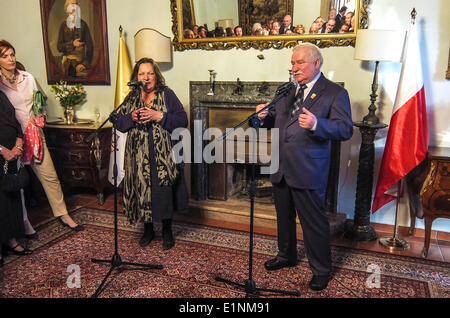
122	90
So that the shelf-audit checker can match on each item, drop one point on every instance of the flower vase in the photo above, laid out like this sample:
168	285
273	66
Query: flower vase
69	115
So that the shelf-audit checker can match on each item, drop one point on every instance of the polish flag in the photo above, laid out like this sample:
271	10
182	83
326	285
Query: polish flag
407	140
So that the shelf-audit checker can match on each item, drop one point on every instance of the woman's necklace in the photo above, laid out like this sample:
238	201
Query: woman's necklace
148	100
12	79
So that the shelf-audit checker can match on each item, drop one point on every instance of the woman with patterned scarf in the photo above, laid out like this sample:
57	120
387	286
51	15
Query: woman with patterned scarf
154	184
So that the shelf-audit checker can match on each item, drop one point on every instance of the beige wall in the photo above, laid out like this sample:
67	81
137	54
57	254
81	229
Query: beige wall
306	14
21	24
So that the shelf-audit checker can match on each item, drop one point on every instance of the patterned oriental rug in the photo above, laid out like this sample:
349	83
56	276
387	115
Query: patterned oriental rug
200	254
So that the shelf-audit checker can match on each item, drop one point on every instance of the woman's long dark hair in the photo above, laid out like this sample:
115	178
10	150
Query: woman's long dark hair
160	81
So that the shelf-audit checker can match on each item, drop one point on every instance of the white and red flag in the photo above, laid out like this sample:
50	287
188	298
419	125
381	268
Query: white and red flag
407	140
122	90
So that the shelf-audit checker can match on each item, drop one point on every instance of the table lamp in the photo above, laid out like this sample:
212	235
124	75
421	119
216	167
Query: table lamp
152	44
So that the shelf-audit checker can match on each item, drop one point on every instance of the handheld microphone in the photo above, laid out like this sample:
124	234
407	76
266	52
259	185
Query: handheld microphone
136	84
286	88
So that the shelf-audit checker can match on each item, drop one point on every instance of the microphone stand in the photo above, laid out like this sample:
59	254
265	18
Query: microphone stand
249	285
116	260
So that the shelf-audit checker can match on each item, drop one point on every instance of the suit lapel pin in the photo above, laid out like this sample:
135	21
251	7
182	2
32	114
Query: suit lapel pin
313	96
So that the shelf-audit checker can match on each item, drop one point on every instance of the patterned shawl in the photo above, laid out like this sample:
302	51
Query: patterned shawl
137	180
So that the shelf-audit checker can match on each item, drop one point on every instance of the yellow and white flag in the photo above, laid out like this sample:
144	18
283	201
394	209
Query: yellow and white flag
122	90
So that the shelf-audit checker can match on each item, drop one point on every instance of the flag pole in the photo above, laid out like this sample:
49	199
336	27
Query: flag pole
394	243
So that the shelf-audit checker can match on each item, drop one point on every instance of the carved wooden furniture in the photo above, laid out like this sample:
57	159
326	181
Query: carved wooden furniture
429	191
77	163
360	229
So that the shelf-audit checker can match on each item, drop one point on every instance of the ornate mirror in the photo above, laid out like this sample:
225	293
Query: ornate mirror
220	17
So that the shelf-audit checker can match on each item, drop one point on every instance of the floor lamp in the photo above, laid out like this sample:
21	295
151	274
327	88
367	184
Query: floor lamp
373	46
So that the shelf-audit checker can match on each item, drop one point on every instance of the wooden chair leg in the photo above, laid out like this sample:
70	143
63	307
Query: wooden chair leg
412	227
428	222
414	201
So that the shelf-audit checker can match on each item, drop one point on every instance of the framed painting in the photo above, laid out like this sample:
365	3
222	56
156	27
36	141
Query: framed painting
188	14
75	41
262	11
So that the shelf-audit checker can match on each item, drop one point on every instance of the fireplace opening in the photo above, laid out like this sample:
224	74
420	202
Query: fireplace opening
233	181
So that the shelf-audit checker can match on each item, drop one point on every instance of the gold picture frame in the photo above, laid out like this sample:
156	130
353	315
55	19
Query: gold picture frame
264	42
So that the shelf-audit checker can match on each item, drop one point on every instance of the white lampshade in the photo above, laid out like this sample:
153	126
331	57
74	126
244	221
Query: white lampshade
152	44
225	23
379	45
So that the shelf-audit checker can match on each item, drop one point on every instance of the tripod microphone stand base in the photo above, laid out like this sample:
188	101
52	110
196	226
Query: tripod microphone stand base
250	287
116	261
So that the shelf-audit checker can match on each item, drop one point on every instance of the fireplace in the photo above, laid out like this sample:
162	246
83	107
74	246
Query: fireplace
232	103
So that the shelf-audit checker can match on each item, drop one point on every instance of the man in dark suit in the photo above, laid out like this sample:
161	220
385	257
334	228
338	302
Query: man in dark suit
287	25
306	127
340	18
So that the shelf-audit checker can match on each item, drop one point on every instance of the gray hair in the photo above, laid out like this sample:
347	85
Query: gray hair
313	49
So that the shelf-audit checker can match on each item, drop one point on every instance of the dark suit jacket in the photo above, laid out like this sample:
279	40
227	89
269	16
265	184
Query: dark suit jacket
291	27
305	155
339	22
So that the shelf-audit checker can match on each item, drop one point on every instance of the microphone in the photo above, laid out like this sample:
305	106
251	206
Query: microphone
136	84
286	88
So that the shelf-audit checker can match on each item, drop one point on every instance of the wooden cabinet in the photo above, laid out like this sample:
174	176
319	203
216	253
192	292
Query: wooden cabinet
78	163
429	190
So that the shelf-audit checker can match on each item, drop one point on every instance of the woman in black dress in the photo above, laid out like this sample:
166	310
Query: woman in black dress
11	217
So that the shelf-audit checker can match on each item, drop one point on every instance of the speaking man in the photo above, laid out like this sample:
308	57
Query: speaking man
312	115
